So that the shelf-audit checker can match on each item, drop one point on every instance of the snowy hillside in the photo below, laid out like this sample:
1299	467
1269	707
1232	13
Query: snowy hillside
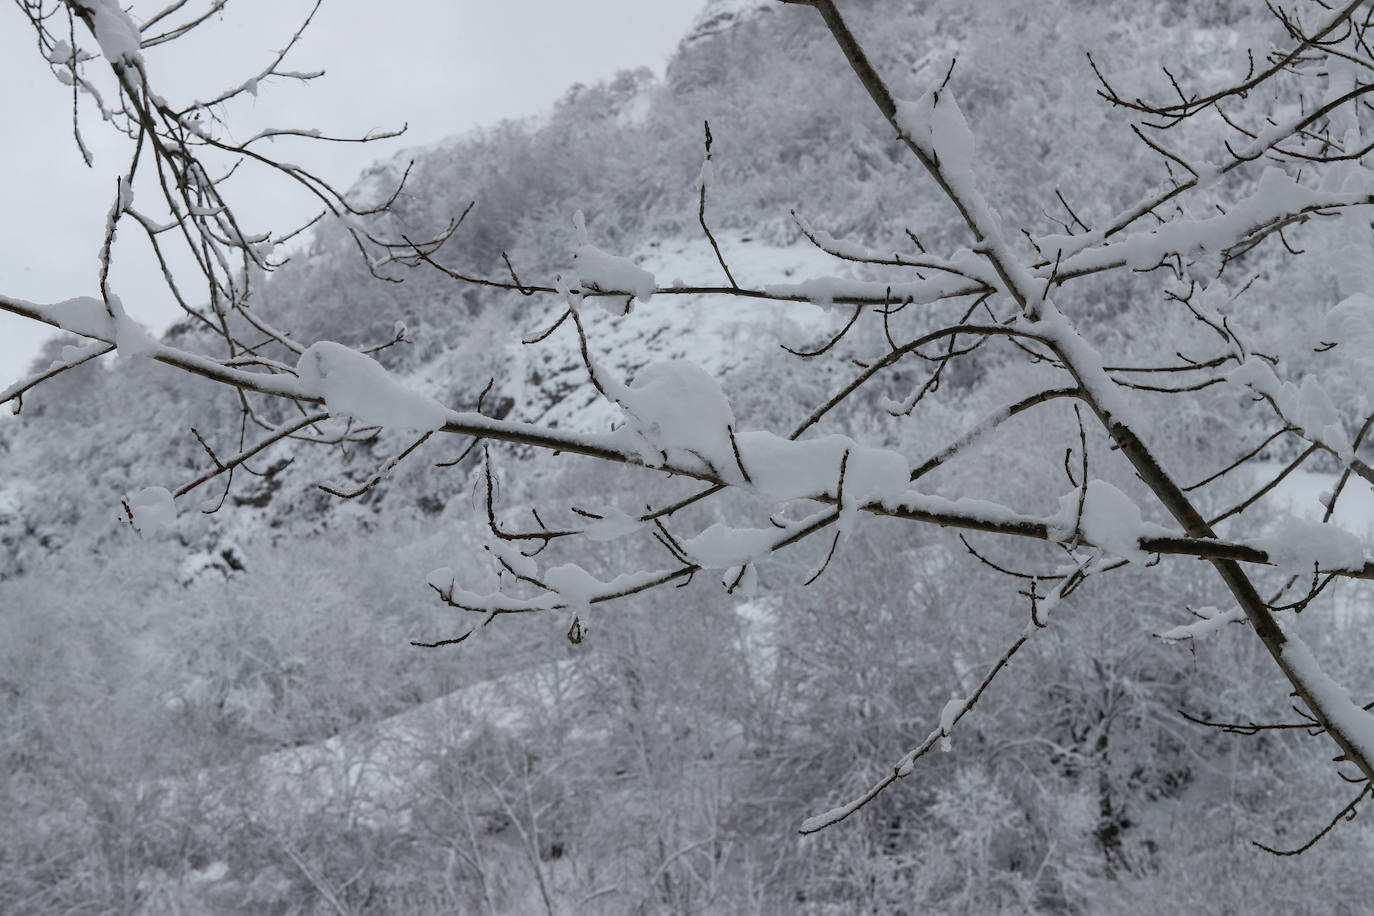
241	712
695	328
721	15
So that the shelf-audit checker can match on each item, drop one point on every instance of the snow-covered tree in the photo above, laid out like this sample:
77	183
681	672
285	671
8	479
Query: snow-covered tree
1246	162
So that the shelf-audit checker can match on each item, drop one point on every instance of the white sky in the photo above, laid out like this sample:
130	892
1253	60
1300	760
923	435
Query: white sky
443	66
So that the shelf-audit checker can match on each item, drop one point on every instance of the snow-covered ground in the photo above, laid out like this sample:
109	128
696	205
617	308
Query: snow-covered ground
708	331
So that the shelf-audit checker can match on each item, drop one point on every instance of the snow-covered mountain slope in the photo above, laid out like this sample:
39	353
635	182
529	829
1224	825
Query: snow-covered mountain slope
689	734
722	15
713	332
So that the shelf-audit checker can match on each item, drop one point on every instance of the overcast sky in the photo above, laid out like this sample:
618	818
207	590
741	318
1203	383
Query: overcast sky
443	66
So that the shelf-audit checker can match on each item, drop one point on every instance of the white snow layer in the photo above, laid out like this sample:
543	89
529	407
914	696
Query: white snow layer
1349	718
118	37
951	711
82	315
1110	520
1297	545
790	469
131	338
1350	325
675	409
576	586
936	125
613	524
601	270
151	508
356	385
1211	620
1305	405
721	546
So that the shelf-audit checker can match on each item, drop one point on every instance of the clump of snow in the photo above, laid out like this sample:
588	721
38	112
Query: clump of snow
1350	325
613	524
73	353
150	509
819	291
942	510
574	584
82	315
90	317
131	338
118	37
1306	405
601	270
1276	192
1298	544
741	581
936	125
510	556
676	408
948	714
720	546
825	291
61	53
356	385
1211	620
876	474
1110	520
783	469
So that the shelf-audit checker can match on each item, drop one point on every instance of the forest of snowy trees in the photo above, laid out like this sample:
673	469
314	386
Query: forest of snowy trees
908	459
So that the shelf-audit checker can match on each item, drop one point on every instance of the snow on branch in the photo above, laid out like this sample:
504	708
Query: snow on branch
1210	620
119	39
354	385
